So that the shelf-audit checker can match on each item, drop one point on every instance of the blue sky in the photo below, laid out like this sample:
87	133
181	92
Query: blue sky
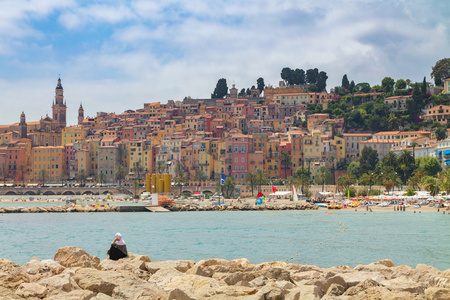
117	55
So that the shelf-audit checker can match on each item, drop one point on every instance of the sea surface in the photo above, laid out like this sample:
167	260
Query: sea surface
305	237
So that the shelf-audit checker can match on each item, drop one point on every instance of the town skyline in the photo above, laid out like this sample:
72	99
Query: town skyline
114	57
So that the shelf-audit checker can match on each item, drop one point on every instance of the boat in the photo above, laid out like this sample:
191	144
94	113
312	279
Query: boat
294	194
335	206
321	204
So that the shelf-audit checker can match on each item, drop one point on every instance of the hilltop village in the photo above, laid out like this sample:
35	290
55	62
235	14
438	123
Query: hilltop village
277	130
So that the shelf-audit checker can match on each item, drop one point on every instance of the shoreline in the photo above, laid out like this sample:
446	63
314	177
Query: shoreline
74	274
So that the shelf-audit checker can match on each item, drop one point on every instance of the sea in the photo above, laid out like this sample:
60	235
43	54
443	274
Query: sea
305	237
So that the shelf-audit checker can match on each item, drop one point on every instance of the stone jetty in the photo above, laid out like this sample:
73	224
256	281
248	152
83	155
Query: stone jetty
174	207
74	274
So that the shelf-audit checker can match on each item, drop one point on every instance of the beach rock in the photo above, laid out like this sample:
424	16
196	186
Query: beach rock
355	278
98	281
208	267
7	265
76	257
236	277
304	292
8	294
75	295
179	294
436	293
179	265
28	290
276	273
196	285
136	289
13	279
59	283
385	262
36	268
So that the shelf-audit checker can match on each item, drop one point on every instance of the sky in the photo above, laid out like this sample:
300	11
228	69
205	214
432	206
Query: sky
118	55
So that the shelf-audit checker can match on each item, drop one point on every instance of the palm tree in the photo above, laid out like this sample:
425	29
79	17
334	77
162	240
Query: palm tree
101	178
261	178
414	145
199	176
180	178
120	172
251	181
345	181
430	184
159	167
22	168
43	175
81	176
4	173
390	160
309	160
136	185
406	160
323	175
444	180
368	178
286	162
137	168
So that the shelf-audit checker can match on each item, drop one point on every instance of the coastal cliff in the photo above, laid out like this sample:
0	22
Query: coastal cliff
74	274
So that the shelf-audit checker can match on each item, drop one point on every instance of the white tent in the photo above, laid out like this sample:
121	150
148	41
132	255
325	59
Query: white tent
281	194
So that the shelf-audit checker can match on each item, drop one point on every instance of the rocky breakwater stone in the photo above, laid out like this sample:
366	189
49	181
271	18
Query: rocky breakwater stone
76	257
28	290
11	275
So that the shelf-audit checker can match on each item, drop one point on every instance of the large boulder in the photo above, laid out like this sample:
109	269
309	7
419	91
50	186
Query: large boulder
179	265
13	279
75	295
137	289
98	281
62	283
133	263
8	294
28	290
76	257
436	293
37	269
7	265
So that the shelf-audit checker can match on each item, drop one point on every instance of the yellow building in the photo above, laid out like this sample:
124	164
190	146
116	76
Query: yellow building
339	143
272	158
72	135
49	162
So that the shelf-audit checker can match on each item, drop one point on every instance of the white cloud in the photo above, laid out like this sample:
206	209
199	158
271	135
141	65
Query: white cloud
159	50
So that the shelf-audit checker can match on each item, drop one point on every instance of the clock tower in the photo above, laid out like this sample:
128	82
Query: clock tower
59	107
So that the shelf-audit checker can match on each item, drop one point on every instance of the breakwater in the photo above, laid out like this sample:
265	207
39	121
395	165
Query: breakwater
141	208
74	274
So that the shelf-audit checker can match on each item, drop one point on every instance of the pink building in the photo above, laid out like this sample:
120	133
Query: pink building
238	147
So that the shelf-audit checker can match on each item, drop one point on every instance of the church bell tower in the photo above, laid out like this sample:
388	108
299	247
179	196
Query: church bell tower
80	114
23	126
59	106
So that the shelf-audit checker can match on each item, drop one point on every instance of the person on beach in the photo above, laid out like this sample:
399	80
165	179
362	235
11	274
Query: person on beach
118	248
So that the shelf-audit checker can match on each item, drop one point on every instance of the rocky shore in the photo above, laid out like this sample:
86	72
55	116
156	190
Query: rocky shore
194	207
74	274
174	207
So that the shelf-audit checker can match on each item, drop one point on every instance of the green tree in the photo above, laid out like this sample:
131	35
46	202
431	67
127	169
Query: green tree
390	160
368	179
120	172
440	133
354	169
363	87
228	187
286	162
428	165
444	180
251	181
345	82
81	177
344	182
101	178
312	76
368	160
199	176
286	75
159	166
400	84
430	184
138	169
388	84
424	86
261	178
43	176
441	71
322	81
260	84
242	93
136	185
299	76
221	89
180	178
22	169
323	176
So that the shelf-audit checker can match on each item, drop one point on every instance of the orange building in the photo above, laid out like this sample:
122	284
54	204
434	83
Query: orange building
49	162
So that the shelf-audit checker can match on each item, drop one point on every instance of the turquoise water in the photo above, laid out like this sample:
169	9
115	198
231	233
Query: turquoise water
308	237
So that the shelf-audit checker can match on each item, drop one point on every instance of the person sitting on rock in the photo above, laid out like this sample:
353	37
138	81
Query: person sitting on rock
118	248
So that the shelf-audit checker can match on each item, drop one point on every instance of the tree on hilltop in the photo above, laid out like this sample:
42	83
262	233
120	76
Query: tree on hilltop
286	75
260	84
441	71
345	82
388	84
312	76
221	89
